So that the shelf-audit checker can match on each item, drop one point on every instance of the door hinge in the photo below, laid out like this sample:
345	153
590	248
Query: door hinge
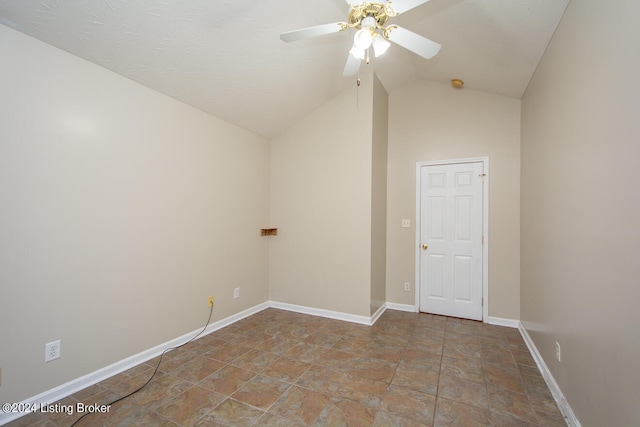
482	175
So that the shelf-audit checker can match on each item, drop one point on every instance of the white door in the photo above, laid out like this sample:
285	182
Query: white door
450	239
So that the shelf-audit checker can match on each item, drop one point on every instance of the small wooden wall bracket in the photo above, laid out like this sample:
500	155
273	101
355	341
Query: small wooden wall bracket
268	231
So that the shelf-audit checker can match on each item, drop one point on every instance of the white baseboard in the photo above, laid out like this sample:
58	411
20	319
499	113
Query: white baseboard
73	386
378	313
566	410
364	320
500	321
402	307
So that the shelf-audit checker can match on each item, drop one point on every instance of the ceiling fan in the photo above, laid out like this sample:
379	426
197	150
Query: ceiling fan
370	20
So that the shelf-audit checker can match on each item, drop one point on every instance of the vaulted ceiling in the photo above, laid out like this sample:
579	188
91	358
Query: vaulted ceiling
225	57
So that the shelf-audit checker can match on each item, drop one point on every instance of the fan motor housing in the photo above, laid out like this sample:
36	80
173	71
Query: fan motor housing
376	10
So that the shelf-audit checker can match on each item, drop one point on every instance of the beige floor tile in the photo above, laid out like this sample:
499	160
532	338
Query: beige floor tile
286	369
227	352
374	369
197	369
463	391
255	360
468	369
411	404
508	379
322	379
513	404
301	405
160	390
363	390
352	345
456	414
277	345
227	380
422	380
386	419
189	406
231	413
344	412
261	392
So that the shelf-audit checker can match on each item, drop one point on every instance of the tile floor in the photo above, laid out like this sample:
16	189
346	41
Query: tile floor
278	368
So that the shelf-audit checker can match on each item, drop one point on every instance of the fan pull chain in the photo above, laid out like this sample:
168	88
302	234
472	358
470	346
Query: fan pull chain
358	91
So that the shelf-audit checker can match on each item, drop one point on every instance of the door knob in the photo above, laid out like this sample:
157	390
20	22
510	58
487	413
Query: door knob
425	246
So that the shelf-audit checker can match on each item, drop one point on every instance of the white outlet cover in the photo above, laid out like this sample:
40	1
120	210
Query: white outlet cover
52	351
406	223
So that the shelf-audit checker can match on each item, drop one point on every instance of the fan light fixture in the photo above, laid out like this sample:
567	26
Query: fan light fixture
363	39
369	19
380	45
356	52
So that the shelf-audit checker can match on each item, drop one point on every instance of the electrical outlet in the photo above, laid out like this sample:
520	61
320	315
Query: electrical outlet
558	354
236	293
52	351
210	300
406	223
407	286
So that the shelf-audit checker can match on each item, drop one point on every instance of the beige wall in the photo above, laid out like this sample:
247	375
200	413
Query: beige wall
379	196
121	211
581	210
433	121
320	183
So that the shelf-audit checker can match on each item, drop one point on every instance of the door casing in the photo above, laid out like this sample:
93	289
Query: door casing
485	228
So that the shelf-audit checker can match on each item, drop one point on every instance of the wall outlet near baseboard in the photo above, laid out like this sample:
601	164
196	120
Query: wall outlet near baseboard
236	293
558	354
407	286
52	351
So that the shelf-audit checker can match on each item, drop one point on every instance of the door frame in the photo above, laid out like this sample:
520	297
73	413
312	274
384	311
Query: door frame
485	228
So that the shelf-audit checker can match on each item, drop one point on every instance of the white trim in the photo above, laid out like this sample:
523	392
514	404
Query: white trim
73	386
501	321
378	313
402	307
354	318
485	227
564	406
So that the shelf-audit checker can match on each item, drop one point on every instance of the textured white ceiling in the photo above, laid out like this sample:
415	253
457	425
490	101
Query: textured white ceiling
225	56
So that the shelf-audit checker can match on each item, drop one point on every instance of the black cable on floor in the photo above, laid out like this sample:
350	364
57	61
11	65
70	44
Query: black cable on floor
155	370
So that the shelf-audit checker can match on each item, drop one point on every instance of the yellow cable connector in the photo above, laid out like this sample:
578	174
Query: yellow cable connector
211	301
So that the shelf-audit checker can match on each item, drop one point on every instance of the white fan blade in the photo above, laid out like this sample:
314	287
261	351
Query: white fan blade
352	66
401	6
412	41
318	30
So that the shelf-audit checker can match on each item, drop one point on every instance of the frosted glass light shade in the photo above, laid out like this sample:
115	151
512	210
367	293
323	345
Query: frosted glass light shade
363	38
380	45
357	52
